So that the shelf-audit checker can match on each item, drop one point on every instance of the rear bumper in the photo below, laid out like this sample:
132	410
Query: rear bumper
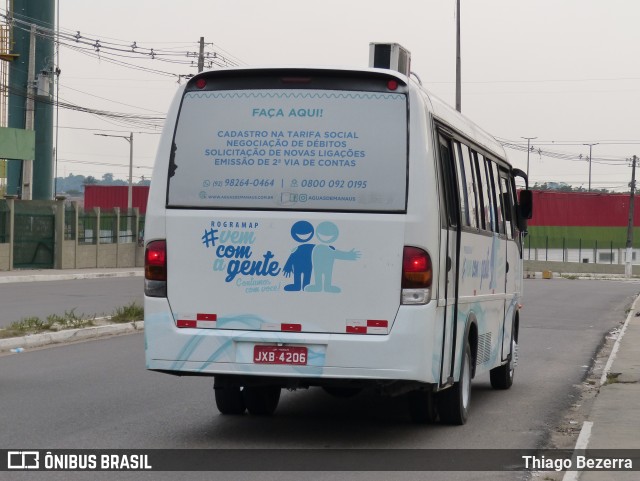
410	352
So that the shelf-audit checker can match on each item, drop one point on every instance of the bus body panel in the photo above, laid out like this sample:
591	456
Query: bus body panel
402	355
226	271
235	263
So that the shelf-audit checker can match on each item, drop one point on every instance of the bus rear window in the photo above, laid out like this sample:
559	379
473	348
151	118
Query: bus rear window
291	149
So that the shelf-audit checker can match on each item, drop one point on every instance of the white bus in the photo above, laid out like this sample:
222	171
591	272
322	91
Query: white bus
335	228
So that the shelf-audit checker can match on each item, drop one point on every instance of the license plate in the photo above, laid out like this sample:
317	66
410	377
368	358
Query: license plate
293	355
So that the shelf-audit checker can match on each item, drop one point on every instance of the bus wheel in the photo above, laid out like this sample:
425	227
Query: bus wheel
261	400
453	403
229	399
502	376
422	407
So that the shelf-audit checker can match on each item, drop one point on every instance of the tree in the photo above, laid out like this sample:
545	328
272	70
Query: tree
562	187
107	178
90	180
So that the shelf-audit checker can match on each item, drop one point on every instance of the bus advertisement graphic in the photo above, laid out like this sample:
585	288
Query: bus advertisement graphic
308	268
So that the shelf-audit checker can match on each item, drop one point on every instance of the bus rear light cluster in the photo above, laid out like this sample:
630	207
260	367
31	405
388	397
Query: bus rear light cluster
417	275
155	269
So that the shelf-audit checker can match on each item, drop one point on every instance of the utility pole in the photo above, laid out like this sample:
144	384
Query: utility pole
26	188
528	139
590	147
201	56
458	62
628	260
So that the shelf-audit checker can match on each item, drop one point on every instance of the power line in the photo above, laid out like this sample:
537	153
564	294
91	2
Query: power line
570	156
112	51
106	130
149	121
104	164
519	81
109	100
95	48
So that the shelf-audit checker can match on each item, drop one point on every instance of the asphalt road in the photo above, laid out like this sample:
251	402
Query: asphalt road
98	395
89	297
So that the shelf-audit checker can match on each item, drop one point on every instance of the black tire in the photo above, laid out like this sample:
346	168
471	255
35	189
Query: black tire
422	407
261	400
342	392
229	399
453	403
502	376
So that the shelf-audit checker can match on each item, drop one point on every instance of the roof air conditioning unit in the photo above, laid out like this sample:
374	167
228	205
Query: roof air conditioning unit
392	56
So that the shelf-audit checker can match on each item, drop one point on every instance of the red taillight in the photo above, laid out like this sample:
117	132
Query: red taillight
201	83
392	85
155	261
416	269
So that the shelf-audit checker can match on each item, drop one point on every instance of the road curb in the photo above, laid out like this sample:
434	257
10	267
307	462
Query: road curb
577	275
64	277
70	335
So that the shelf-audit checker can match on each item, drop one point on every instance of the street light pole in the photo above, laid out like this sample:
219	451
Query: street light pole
130	190
529	139
590	147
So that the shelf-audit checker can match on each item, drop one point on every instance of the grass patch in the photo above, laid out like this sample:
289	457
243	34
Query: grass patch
132	312
612	378
29	324
54	322
70	320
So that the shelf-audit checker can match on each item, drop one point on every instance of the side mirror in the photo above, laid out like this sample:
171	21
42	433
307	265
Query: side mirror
525	210
525	203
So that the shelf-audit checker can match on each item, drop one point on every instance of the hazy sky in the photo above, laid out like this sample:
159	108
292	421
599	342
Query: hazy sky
564	71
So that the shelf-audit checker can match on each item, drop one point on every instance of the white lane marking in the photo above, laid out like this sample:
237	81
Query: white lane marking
616	346
581	444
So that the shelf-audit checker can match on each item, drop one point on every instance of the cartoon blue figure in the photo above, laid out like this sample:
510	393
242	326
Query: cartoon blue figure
299	262
324	255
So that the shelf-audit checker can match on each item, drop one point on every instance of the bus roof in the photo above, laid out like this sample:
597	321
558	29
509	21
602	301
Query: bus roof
450	116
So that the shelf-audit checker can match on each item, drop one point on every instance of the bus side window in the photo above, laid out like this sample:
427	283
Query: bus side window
462	191
487	216
448	177
471	187
492	172
507	201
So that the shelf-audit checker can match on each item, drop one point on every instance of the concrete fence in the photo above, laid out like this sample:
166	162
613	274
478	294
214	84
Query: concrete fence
75	245
577	268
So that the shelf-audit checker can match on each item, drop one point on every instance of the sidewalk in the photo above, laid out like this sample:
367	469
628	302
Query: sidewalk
69	335
35	275
613	423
